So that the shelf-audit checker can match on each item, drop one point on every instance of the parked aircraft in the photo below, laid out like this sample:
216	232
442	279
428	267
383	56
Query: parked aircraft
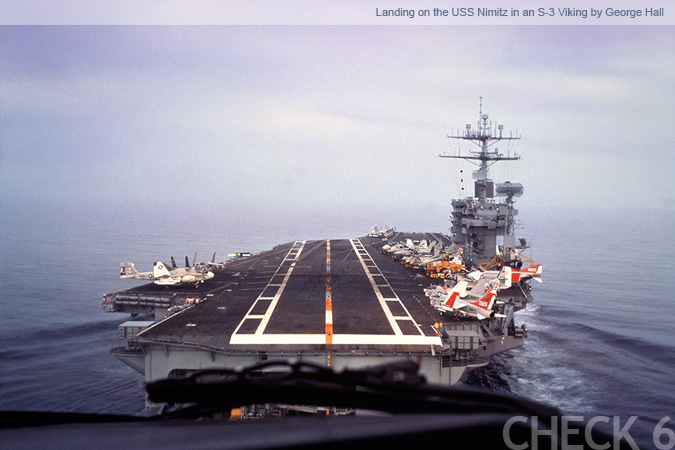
385	232
212	263
457	300
529	272
163	276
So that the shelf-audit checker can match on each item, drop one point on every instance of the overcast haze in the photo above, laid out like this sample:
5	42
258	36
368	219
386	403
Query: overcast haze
254	117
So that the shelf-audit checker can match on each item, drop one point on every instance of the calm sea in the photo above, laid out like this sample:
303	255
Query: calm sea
601	341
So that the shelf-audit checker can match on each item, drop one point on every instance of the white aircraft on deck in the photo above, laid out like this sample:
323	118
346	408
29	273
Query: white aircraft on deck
478	302
163	276
385	232
212	263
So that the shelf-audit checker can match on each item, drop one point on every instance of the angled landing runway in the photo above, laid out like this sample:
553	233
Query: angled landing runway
303	295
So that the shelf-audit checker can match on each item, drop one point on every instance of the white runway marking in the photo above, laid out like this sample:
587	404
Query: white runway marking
338	339
372	271
292	255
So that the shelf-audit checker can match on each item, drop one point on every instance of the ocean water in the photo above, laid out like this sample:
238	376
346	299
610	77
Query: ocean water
601	335
601	328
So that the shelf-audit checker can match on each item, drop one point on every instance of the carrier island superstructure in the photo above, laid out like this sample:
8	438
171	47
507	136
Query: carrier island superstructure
343	302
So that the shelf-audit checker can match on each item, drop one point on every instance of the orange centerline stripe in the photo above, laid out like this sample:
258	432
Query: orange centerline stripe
329	303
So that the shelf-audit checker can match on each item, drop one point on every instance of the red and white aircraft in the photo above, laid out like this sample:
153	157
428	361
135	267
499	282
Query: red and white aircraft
480	299
528	272
508	276
458	300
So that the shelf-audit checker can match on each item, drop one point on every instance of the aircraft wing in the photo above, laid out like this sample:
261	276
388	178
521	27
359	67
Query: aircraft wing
139	276
478	290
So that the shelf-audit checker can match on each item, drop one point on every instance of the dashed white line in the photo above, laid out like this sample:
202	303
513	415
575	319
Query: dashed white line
368	264
292	255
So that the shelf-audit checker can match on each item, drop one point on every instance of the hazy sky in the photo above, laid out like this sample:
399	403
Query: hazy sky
351	116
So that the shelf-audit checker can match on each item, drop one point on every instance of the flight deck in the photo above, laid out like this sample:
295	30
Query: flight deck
308	293
339	302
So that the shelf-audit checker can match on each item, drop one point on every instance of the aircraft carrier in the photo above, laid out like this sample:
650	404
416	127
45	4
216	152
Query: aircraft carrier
344	302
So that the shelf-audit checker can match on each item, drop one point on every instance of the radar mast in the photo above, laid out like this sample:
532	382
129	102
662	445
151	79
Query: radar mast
478	220
485	137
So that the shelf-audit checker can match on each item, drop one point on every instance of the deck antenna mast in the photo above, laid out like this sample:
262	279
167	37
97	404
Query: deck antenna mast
478	220
485	137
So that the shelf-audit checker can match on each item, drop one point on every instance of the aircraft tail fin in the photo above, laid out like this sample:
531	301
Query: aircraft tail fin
488	300
187	262
127	269
213	259
173	262
457	292
159	270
